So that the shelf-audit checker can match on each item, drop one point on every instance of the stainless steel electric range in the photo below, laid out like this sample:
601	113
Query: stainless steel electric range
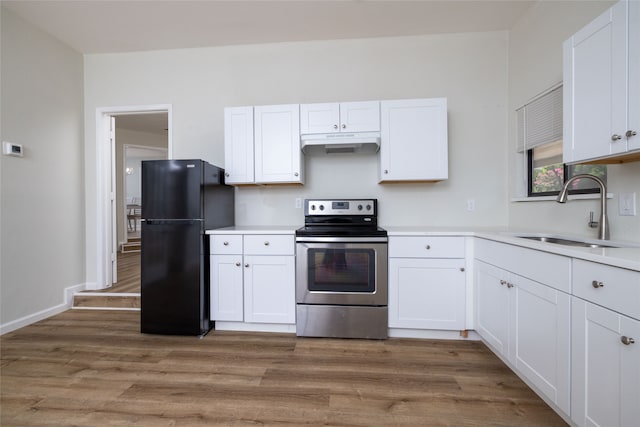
341	270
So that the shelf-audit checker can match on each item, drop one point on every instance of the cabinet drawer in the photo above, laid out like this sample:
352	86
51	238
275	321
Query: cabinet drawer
226	244
268	244
426	247
615	288
549	269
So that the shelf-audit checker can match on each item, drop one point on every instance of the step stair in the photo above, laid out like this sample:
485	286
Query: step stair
106	301
132	245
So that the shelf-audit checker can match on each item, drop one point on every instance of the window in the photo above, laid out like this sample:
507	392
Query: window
540	142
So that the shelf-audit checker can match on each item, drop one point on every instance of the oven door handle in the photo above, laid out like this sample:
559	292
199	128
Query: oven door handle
342	239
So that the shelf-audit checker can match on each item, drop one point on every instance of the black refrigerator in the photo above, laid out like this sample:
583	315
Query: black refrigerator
181	199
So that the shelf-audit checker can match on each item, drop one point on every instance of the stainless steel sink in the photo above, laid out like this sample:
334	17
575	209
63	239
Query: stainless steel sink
569	242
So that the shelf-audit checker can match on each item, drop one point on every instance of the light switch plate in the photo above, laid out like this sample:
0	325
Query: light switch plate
627	204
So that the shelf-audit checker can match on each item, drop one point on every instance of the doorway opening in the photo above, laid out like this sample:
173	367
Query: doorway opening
125	137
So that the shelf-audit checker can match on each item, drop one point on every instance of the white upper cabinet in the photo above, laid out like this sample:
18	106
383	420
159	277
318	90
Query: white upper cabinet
340	117
413	144
262	145
278	158
238	145
602	87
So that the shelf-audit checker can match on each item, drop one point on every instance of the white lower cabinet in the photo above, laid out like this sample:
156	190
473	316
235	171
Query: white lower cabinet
605	367
427	282
528	325
269	283
253	278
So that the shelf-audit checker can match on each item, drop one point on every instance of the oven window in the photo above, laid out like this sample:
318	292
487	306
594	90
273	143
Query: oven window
342	270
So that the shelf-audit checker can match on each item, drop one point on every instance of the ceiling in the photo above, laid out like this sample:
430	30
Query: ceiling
107	26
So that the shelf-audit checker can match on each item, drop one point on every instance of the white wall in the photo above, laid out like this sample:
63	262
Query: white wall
42	224
535	64
469	69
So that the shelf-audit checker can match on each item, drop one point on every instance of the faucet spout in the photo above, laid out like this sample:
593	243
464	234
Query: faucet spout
603	229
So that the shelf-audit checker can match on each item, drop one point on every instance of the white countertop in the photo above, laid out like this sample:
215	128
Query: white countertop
255	229
628	257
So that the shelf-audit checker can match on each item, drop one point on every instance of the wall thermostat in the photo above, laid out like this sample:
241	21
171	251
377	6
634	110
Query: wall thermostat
12	149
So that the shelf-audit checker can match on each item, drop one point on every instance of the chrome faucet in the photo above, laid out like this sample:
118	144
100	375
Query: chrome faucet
603	230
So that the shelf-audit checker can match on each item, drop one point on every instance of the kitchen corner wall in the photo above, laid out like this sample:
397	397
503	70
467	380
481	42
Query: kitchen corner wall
42	224
469	69
535	64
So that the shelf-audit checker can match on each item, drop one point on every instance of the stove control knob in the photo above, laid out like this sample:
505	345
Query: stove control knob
321	207
368	207
359	207
313	207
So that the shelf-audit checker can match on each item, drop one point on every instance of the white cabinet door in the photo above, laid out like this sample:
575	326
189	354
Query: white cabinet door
269	289
600	81
319	118
238	145
226	287
344	117
360	116
413	144
605	371
492	306
427	293
540	337
278	158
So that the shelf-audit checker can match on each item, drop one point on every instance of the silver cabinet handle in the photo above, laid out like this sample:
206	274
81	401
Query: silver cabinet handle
247	265
237	264
295	174
509	285
266	243
335	126
597	284
503	282
226	174
616	137
428	247
630	133
344	126
226	243
627	340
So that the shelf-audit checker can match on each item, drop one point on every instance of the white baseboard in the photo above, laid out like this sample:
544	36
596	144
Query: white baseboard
43	314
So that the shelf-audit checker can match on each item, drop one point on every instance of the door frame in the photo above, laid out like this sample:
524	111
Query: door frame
106	211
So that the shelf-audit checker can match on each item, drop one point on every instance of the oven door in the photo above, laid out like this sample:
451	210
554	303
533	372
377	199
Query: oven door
341	271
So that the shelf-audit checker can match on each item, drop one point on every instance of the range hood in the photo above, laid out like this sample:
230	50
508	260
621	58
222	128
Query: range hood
356	142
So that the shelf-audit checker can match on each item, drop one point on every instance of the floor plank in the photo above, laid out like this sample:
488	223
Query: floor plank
90	368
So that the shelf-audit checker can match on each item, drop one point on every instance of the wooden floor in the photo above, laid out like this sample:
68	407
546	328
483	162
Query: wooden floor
94	368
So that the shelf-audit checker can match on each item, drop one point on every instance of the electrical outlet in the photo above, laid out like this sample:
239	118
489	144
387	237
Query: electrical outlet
471	205
627	204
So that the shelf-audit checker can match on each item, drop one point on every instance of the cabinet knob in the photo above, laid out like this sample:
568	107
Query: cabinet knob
597	284
462	269
295	174
237	264
335	126
266	243
616	137
226	243
627	340
247	265
509	285
630	133
226	174
428	247
344	126
503	282
386	171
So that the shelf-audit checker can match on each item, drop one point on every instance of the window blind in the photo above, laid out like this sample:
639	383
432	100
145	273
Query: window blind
540	120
